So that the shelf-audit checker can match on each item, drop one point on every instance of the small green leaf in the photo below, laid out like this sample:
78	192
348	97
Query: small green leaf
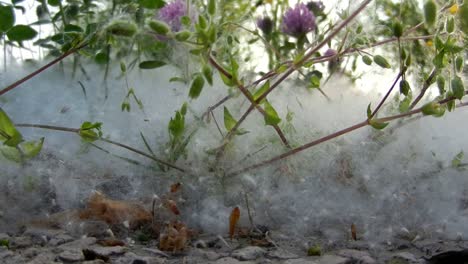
177	79
441	84
177	125
382	62
271	116
458	88
208	73
72	28
451	103
440	60
367	60
21	33
123	67
90	131
433	108
31	148
211	7
404	105
54	2
183	109
229	121
101	58
369	111
9	135
186	21
430	12
122	28
159	27
151	4
377	125
202	23
450	24
7	20
457	160
197	85
262	90
151	64
397	29
459	63
183	35
404	87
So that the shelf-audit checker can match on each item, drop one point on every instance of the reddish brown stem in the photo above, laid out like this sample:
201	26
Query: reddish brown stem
26	78
386	95
426	85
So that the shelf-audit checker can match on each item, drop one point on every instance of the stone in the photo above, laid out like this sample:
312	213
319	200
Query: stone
79	244
332	259
60	239
30	252
407	257
92	228
132	258
108	251
229	260
4	236
357	256
71	256
156	252
248	253
281	254
43	258
96	261
20	242
299	261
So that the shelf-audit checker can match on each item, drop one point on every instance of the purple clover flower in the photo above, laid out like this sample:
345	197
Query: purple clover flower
298	21
265	24
329	53
172	12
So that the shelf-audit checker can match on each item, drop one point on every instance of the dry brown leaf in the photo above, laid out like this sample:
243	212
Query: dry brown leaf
172	206
353	232
111	243
174	238
175	187
235	215
115	212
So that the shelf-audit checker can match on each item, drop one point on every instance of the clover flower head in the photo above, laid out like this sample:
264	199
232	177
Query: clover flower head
265	24
298	21
172	13
316	7
329	53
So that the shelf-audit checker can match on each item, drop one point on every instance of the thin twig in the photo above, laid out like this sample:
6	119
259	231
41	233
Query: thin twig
77	131
26	78
426	85
386	95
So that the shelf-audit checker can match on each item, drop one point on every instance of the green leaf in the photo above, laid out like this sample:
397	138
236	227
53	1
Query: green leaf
262	90
72	28
159	27
9	135
208	73
271	116
229	121
90	131
430	12
7	20
369	111
377	125
151	64
404	105
31	148
439	60
123	67
433	108
458	88
451	103
397	29
404	87
122	28
183	35
183	109
367	60
186	21
197	85
211	7
382	62
450	24
11	153
54	2
101	58
441	84
457	160
177	125
459	63
21	33
151	4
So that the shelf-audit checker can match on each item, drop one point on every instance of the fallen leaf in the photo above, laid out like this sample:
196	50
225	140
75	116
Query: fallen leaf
175	187
111	243
353	232
174	238
172	206
235	215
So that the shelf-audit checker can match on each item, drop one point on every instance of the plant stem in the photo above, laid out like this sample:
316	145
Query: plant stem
77	131
426	85
334	135
26	78
388	94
